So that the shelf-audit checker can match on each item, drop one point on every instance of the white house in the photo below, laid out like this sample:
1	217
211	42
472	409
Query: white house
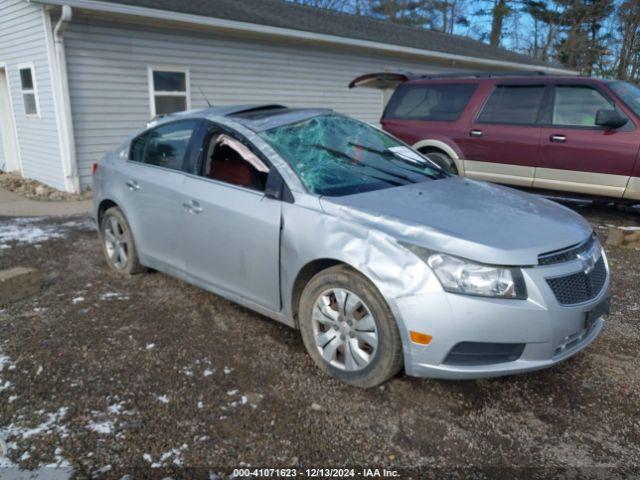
77	76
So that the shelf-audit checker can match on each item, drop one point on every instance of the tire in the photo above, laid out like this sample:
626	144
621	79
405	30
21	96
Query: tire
118	244
443	160
350	354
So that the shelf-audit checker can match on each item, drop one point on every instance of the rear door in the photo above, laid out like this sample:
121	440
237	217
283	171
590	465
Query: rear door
233	241
153	181
576	154
502	143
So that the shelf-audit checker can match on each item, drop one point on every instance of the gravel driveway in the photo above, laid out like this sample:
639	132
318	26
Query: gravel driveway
149	376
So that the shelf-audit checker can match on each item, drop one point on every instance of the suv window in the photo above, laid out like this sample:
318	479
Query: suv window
578	105
166	145
442	102
513	104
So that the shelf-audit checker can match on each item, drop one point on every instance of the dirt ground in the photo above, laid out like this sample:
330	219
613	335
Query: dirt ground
149	376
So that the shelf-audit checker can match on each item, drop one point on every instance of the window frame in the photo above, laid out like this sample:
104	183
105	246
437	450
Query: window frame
193	143
163	93
539	115
208	129
548	120
33	91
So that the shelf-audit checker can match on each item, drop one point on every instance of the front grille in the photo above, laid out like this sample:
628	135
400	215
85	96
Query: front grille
579	287
567	254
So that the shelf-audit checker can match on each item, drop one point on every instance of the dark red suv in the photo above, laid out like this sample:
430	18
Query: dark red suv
573	134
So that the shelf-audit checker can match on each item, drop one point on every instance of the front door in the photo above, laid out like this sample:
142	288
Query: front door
233	241
152	185
9	154
503	142
579	156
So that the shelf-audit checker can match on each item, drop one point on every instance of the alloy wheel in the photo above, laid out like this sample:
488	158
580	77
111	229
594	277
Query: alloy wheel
116	243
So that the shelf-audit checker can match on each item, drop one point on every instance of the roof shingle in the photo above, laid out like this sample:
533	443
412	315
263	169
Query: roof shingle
279	13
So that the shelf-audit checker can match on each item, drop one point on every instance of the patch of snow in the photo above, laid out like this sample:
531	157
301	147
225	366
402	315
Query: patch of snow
227	370
232	392
630	229
77	300
147	457
4	360
116	408
104	428
40	369
208	372
35	230
13	398
150	346
200	405
162	398
115	295
5	385
48	425
105	469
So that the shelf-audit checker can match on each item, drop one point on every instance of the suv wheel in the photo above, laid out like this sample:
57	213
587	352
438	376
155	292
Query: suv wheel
443	160
117	243
348	328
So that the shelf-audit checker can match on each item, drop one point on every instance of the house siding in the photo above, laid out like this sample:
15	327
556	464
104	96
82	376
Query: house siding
2	160
23	41
107	68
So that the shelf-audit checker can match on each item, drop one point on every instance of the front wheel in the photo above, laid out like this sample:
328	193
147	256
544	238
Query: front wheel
348	328
443	160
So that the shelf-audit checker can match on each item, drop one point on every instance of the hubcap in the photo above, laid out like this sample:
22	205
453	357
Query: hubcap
344	329
115	243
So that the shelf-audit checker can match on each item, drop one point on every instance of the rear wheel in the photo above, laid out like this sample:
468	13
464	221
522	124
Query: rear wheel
443	160
117	243
348	328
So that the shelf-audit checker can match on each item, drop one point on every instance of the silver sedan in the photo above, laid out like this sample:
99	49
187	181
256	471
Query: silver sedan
382	260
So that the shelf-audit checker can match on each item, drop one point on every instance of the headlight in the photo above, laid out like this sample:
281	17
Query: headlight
463	276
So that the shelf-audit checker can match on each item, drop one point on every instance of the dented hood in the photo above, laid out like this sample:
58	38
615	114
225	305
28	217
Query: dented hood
475	220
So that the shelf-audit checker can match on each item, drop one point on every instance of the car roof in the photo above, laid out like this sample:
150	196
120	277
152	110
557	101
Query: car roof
255	117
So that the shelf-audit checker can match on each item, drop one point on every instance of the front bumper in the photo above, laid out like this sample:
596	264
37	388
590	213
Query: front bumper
549	331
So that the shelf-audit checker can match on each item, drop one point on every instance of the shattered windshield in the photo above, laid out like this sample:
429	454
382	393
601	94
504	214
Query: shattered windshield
335	155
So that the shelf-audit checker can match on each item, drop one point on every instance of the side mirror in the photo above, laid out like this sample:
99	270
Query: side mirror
610	119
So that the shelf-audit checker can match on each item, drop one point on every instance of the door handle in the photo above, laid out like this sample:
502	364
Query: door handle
558	138
192	207
475	133
132	185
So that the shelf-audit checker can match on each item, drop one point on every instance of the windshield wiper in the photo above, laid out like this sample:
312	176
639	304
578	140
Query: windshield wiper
390	153
356	162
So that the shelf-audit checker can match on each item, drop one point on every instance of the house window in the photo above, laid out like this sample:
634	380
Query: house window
169	90
28	90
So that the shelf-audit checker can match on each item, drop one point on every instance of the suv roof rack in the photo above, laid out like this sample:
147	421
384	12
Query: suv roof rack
530	73
392	78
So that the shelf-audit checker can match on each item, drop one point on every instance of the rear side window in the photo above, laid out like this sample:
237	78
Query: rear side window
510	104
442	102
164	146
137	148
